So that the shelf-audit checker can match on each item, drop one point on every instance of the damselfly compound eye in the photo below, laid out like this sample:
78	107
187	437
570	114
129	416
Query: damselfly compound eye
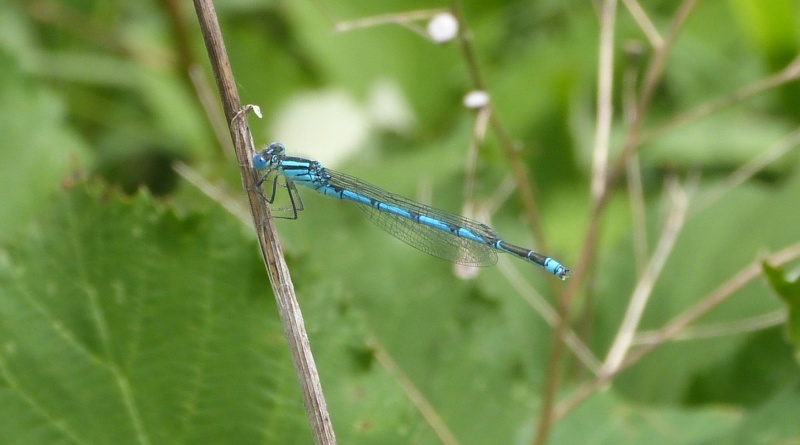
260	162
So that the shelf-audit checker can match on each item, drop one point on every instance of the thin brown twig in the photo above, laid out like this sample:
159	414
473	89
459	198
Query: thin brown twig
679	323
673	330
591	236
633	170
414	394
524	185
599	192
645	24
748	170
651	80
605	88
582	269
192	75
272	254
233	206
548	314
722	329
470	208
647	281
401	18
205	94
789	74
478	136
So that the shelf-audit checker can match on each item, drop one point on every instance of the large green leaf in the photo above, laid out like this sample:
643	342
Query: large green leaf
122	323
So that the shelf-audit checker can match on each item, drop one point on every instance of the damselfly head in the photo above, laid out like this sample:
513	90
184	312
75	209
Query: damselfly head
268	156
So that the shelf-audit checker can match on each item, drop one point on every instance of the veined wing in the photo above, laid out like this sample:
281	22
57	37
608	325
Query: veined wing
439	243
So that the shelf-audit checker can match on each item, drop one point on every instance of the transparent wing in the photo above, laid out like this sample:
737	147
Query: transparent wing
432	241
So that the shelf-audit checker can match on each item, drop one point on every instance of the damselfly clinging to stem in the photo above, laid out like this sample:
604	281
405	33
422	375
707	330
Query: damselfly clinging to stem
433	231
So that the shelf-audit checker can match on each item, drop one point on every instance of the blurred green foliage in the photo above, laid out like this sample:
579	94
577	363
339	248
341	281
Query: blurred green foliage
133	309
789	292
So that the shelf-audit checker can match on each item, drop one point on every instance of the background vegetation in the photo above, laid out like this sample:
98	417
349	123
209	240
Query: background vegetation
134	307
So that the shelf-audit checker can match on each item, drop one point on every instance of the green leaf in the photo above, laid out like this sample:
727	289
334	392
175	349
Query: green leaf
123	323
642	424
770	26
774	422
789	292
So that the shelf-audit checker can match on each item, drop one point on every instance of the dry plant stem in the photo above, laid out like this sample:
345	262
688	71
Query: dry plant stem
414	394
192	73
651	79
638	213
291	318
745	172
605	109
208	100
750	324
232	206
180	34
644	288
550	316
635	186
789	74
679	324
644	22
527	195
397	18
524	186
599	193
526	192
478	135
